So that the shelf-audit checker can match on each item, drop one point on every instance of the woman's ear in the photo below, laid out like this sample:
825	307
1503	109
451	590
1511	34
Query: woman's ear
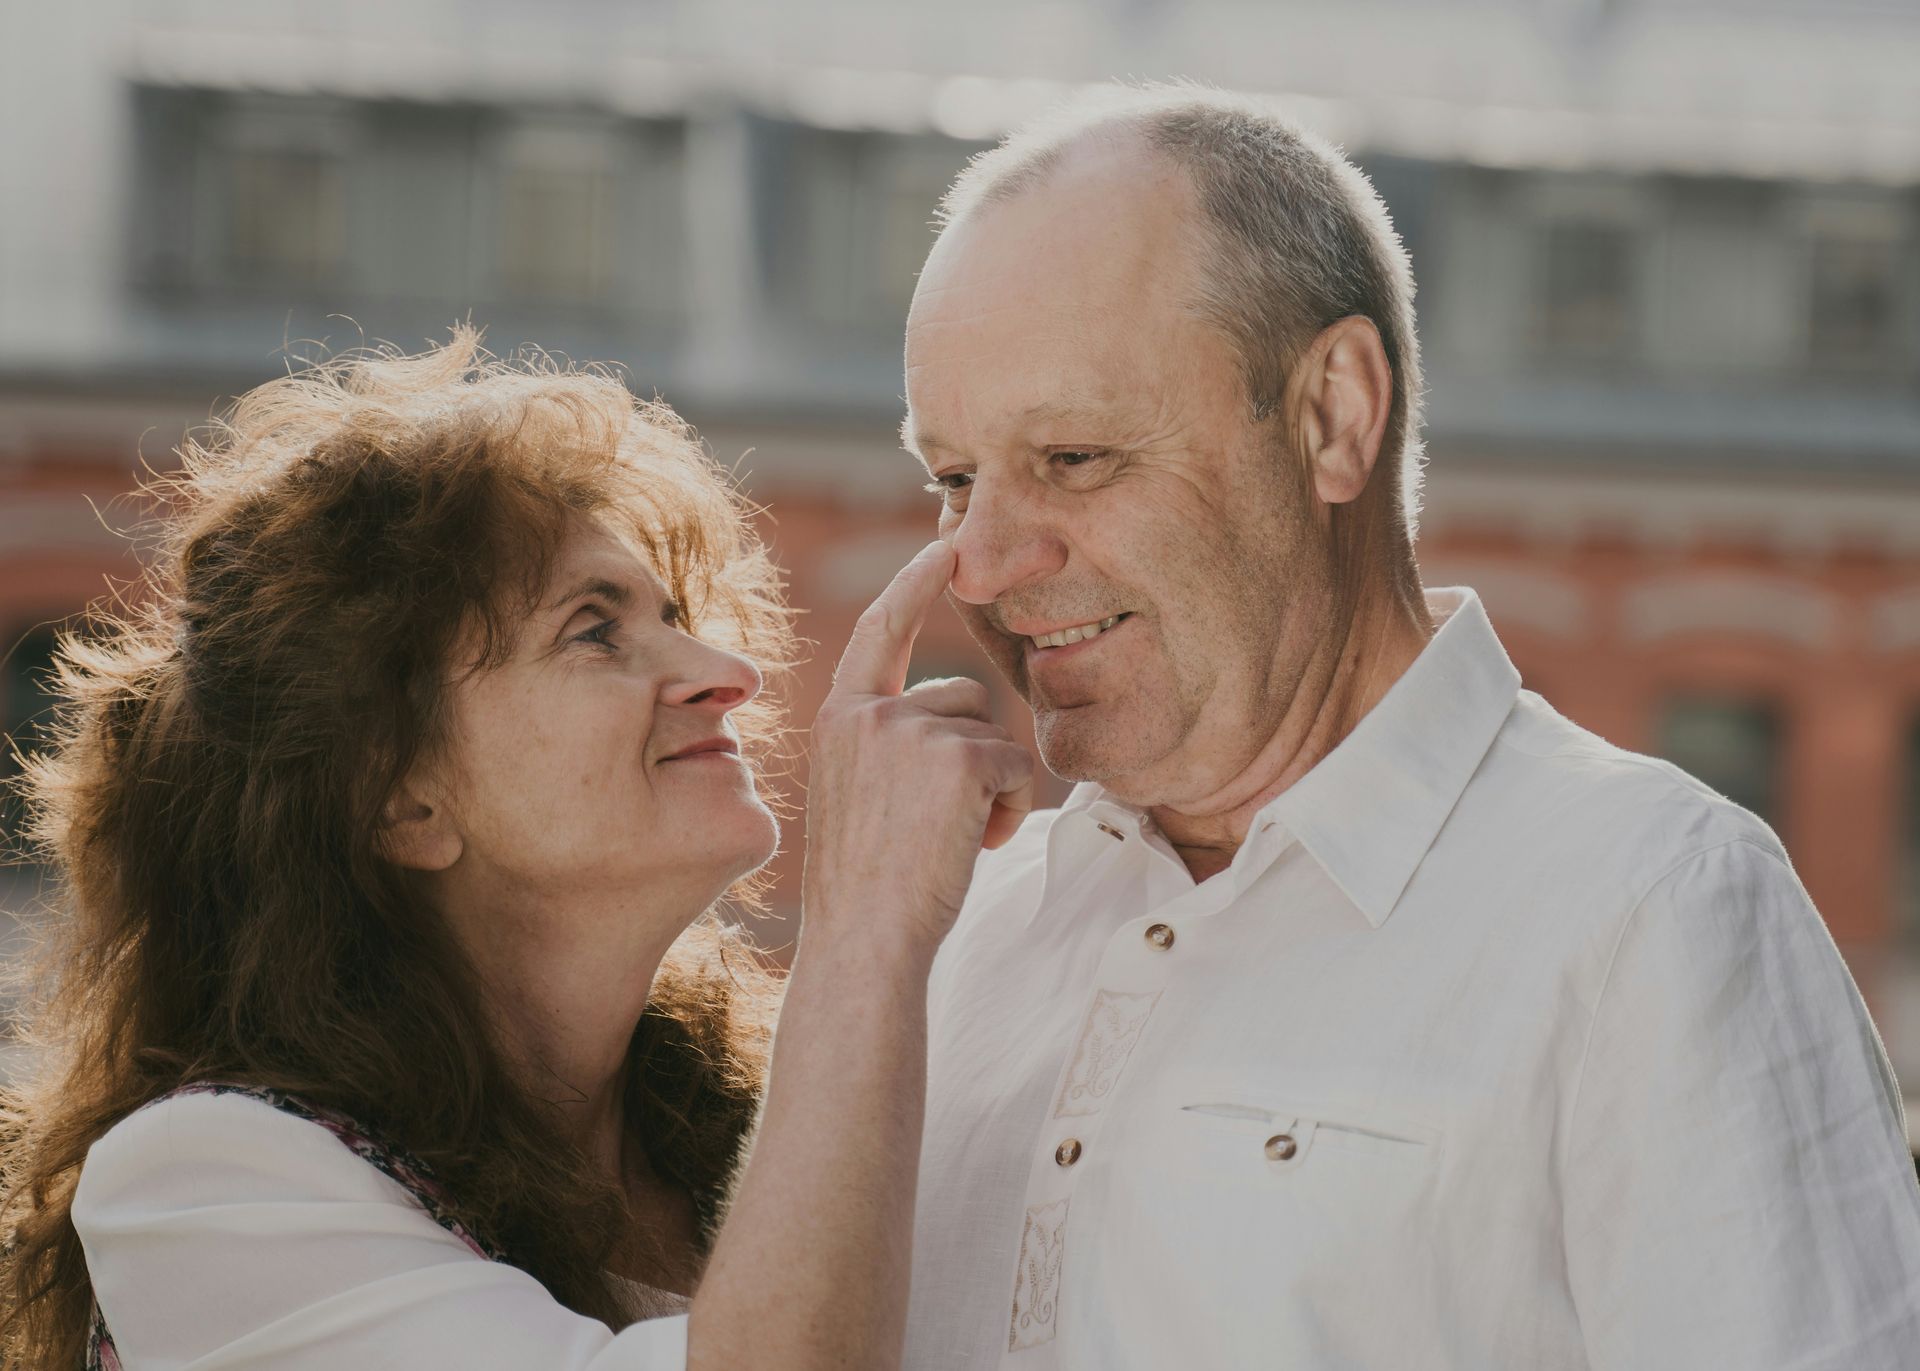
417	833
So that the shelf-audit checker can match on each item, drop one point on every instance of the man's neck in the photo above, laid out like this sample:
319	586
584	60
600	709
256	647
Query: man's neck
1343	683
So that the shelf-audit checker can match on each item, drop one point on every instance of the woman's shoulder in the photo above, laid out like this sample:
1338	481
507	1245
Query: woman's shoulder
233	1144
222	1227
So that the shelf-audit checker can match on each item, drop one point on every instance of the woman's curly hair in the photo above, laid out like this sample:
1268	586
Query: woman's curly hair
227	739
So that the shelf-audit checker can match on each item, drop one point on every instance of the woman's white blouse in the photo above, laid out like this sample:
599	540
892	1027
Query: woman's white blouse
223	1233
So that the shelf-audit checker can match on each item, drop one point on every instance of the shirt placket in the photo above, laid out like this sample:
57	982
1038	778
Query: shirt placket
1129	985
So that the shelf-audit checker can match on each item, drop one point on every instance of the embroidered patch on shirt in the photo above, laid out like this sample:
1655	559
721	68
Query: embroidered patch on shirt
1036	1280
1106	1040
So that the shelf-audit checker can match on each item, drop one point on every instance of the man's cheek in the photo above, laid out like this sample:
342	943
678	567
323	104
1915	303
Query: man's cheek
1009	657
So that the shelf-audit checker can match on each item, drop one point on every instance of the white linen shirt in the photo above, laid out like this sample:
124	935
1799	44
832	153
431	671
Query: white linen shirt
223	1234
1496	1047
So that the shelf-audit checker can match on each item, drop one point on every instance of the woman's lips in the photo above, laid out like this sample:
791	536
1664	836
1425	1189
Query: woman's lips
723	748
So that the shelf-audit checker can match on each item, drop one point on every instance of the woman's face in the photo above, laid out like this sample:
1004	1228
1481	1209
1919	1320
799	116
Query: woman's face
598	765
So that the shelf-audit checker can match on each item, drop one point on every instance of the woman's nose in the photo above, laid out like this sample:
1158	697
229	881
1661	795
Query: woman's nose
714	677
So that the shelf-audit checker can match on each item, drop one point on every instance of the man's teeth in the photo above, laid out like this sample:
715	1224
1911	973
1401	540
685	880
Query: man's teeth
1074	635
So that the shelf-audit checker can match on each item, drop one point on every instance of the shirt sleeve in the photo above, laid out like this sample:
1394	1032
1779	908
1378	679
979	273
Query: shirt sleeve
1739	1192
222	1233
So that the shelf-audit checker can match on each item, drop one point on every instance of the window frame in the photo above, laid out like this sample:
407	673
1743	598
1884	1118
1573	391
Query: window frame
1557	201
1860	217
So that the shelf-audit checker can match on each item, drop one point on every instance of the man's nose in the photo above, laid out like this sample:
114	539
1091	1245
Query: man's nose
1003	541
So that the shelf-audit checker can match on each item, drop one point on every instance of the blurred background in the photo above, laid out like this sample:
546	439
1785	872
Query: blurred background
1668	255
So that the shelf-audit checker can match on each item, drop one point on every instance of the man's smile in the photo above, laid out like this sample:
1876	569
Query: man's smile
1071	642
1076	633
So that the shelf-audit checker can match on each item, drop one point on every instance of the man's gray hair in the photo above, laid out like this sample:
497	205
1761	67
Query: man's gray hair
1298	237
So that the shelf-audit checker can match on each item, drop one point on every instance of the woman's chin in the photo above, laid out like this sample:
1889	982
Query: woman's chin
691	862
767	843
742	843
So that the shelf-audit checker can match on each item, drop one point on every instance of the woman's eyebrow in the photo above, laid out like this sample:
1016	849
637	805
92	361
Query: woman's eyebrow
595	588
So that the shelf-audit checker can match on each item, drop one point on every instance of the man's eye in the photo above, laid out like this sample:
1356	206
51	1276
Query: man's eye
949	483
1074	459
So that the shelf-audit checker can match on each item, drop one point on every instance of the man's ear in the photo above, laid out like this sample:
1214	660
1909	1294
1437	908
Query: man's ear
1344	397
417	832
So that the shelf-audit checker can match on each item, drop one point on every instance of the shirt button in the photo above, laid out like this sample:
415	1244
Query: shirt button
1160	936
1281	1147
1111	831
1068	1152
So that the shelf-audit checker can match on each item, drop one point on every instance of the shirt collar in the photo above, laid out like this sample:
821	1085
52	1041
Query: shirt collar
1372	807
1088	796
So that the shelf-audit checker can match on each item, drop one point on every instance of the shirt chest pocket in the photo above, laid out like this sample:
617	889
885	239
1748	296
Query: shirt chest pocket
1283	1204
1286	1138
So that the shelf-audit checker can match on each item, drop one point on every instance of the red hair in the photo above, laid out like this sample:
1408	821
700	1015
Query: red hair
212	795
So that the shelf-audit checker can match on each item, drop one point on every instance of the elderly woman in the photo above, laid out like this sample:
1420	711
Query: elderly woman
389	1019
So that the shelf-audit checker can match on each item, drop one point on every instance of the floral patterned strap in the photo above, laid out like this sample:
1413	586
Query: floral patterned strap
408	1172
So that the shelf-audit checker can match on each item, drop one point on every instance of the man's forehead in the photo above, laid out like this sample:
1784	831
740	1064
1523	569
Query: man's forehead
1065	304
1052	374
1106	222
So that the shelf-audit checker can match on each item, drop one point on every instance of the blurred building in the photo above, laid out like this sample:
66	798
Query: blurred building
1669	257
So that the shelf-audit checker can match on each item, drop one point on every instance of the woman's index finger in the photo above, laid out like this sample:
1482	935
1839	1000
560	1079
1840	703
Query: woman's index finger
875	661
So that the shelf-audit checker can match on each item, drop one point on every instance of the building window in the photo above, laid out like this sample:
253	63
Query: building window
1855	295
557	223
273	187
1731	744
286	215
241	193
591	213
304	200
1587	286
859	210
26	700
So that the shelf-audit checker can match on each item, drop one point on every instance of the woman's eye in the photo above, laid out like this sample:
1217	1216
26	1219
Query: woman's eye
600	634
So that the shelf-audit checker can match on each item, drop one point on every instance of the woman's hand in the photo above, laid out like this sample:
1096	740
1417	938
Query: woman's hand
906	787
810	1270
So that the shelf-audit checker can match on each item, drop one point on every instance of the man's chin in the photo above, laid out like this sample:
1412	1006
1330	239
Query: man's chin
1081	742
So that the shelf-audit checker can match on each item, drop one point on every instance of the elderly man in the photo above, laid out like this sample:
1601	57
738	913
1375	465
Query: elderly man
1356	1010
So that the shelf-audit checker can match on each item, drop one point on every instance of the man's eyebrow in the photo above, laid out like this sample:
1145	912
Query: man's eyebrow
914	443
1072	409
596	588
